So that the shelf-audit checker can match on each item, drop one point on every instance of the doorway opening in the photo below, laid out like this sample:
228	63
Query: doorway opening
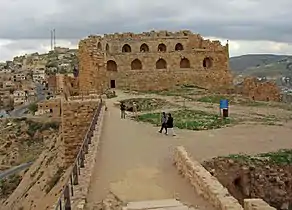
113	83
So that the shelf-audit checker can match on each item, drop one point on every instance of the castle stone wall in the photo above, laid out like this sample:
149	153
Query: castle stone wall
152	61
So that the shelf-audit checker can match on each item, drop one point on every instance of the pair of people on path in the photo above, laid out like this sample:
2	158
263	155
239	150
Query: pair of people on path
167	124
123	110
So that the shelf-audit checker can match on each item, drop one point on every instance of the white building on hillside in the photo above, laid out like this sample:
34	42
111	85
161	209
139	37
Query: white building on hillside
19	97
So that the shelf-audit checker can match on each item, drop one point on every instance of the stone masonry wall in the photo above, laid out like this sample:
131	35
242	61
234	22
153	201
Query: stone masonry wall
209	187
152	61
76	118
261	91
256	204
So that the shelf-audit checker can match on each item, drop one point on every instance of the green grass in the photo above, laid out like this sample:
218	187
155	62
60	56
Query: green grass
214	99
189	119
281	157
148	104
182	90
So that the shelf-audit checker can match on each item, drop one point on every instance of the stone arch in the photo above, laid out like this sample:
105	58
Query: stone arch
185	63
136	64
111	65
99	46
179	47
162	47
144	48
107	47
161	64
207	62
126	48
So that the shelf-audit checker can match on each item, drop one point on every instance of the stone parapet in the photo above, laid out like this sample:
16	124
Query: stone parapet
208	186
256	204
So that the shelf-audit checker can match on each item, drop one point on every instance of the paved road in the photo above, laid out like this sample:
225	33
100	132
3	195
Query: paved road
15	170
20	110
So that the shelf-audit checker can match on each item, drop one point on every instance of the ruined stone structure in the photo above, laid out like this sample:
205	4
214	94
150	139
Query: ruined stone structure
51	107
209	187
260	91
152	61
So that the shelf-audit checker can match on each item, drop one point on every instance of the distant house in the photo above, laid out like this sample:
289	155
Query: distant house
39	75
18	77
19	97
3	114
9	85
5	71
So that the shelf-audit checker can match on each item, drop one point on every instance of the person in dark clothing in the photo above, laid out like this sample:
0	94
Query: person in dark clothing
123	110
169	124
163	122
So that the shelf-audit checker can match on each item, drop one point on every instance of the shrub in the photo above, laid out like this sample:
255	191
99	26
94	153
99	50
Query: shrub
33	108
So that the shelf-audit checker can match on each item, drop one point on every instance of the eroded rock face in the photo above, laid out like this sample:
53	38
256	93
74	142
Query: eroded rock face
271	182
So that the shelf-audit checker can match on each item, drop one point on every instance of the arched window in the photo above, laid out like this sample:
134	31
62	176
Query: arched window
161	64
144	48
136	64
107	48
111	66
185	63
162	48
126	48
99	46
207	62
179	47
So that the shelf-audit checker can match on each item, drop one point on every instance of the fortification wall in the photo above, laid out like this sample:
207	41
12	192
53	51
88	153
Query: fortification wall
152	61
76	118
261	91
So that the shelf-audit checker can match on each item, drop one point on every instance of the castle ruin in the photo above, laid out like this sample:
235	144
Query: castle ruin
152	61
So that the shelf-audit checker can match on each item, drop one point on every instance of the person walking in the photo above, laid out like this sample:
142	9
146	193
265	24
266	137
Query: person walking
169	124
163	123
135	110
123	110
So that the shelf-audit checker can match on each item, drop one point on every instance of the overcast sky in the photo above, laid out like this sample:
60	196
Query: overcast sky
252	26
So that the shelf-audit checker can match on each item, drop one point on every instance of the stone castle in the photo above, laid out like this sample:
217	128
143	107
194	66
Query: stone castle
152	61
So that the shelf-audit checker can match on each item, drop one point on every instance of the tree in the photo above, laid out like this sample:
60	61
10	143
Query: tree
33	108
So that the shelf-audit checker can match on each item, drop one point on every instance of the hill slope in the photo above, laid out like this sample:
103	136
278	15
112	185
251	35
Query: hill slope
262	65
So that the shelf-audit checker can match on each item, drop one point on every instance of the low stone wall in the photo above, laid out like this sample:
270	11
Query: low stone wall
208	186
256	204
84	97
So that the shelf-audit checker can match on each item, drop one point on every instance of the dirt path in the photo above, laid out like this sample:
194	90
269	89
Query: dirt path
135	161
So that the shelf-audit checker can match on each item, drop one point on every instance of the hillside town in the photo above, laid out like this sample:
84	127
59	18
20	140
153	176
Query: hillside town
33	77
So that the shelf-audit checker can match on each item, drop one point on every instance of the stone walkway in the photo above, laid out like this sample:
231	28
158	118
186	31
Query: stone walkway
167	204
135	161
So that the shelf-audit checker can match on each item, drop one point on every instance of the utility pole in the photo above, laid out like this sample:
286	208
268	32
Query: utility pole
54	32
51	40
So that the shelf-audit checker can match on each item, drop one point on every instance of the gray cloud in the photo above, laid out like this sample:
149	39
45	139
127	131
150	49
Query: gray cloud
74	19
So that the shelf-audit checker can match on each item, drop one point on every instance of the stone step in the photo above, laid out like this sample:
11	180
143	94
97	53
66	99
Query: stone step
166	204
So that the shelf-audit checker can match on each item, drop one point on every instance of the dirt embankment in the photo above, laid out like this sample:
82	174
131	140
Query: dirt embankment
267	176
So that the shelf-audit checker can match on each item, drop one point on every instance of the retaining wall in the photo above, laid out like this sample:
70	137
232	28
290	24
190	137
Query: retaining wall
209	187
